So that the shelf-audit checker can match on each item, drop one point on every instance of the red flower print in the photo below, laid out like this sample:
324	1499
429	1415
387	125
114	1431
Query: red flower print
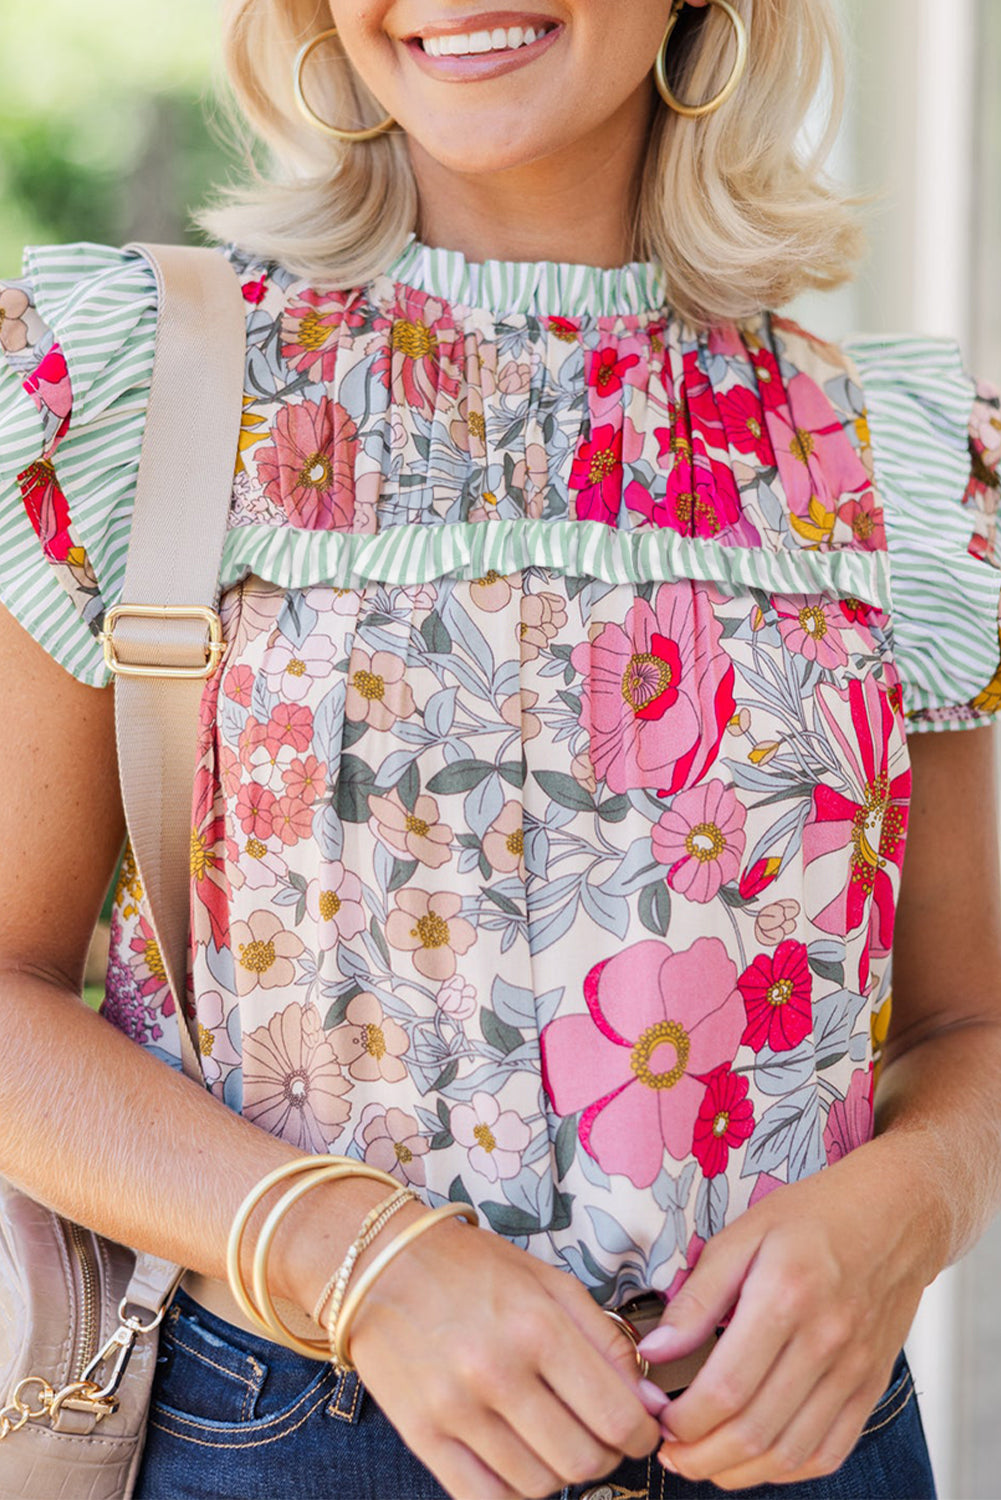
849	1120
425	353
657	691
293	820
254	292
255	807
855	612
597	476
309	472
47	509
564	329
777	990
724	1122
238	684
309	333
49	386
864	519
658	1023
291	724
744	420
208	838
867	820
305	779
759	877
607	369
701	498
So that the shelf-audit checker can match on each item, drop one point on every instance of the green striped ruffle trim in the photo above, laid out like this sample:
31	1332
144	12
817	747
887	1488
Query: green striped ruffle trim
945	601
418	553
101	305
545	289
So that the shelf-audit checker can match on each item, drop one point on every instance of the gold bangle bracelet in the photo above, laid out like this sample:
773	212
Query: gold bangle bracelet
265	1306
234	1249
372	1226
340	1335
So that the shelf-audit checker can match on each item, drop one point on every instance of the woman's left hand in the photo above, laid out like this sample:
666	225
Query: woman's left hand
824	1278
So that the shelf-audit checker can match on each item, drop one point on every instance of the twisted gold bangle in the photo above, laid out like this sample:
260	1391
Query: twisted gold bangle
333	1167
340	1335
369	1232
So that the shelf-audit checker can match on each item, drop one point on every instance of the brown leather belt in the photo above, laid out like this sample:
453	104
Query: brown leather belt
643	1313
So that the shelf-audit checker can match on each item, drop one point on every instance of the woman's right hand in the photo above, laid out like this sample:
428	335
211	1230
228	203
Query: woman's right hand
497	1370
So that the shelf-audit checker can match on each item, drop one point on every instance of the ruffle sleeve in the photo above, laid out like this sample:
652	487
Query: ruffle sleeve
936	440
76	335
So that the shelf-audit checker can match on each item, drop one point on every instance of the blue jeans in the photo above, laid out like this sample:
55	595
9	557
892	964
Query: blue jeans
236	1417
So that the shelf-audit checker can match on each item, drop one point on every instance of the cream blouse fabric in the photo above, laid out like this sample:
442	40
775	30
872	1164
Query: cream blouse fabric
551	801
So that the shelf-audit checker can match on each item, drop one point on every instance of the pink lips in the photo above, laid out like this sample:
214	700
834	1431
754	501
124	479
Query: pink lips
483	65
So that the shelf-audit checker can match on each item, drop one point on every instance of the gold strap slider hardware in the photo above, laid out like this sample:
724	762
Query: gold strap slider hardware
215	645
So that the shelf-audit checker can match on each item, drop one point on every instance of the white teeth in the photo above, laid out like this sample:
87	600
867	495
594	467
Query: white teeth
478	42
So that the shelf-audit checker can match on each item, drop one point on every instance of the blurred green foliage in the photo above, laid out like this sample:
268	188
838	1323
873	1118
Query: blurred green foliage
108	130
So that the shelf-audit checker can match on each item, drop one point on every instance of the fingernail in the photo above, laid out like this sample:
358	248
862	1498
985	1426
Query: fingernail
666	1463
653	1397
659	1344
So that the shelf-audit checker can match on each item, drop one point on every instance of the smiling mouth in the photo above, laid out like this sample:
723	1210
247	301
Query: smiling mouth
482	43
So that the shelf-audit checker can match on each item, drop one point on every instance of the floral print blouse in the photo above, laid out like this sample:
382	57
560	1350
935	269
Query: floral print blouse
551	800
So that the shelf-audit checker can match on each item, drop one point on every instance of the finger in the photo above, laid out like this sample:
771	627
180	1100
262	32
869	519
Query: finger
459	1471
593	1385
558	1437
793	1454
513	1456
697	1310
751	1428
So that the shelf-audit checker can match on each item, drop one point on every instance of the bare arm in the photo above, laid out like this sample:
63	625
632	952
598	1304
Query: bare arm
827	1273
499	1371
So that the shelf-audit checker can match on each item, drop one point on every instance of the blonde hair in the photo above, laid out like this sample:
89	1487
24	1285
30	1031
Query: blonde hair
735	209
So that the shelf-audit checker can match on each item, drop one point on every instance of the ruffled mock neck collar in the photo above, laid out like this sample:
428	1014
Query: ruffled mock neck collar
543	288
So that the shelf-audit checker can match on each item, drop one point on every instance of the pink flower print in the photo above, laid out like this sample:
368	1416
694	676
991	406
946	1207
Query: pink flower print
862	516
429	928
696	1245
238	684
657	691
230	771
814	628
334	903
369	1043
292	670
490	593
393	1143
254	292
867	821
598	470
457	998
309	472
264	951
260	866
849	1120
420	341
776	922
815	456
217	1052
658	1023
293	820
48	511
255	810
517	711
412	835
13	329
701	839
724	1122
293	1086
50	388
377	692
148	969
608	370
777	991
504	841
744	422
305	780
514	378
567	330
310	327
291	727
494	1140
543	616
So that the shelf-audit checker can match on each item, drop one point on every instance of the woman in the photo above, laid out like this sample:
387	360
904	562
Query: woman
552	860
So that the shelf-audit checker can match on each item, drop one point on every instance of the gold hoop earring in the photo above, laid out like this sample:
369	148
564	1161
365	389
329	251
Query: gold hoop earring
352	137
696	111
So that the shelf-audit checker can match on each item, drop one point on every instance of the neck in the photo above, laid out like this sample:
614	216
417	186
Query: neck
578	205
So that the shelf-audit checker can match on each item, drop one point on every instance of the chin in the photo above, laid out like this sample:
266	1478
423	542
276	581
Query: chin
486	153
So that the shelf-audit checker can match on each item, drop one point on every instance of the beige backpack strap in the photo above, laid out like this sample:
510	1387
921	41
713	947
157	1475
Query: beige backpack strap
165	638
